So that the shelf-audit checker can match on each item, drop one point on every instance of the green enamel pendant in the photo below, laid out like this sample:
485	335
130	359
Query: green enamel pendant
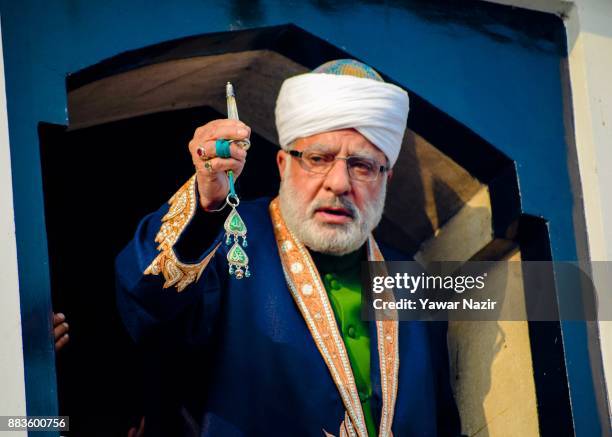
235	229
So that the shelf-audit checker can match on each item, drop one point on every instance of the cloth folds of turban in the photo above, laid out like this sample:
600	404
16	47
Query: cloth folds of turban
314	103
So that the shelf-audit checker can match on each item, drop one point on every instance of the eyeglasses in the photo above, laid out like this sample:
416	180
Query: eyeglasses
319	162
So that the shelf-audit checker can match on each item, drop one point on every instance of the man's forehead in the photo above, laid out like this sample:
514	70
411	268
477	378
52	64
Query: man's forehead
335	140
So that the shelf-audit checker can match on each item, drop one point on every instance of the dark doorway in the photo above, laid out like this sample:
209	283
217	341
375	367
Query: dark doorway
99	182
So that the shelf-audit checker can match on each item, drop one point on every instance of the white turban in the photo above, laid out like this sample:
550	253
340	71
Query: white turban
314	103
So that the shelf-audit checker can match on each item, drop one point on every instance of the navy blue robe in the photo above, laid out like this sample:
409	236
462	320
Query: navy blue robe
264	374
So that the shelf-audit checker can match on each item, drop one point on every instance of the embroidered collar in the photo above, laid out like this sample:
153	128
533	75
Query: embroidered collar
311	298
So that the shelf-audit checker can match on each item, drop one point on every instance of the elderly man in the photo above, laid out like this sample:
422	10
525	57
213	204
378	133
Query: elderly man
287	350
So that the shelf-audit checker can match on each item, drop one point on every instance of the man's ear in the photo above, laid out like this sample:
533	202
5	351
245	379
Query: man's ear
389	175
281	159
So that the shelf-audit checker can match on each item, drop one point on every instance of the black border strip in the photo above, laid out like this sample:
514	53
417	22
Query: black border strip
547	351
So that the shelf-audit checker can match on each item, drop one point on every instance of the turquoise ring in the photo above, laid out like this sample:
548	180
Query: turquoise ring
222	148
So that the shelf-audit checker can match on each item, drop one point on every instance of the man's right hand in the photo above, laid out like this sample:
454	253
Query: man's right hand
213	185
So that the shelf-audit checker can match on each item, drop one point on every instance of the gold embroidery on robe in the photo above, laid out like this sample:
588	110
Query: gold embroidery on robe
183	205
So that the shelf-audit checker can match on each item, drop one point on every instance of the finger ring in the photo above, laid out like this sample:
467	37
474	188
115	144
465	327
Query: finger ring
222	148
208	166
245	144
201	151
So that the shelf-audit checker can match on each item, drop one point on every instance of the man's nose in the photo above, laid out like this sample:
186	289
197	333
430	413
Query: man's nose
338	180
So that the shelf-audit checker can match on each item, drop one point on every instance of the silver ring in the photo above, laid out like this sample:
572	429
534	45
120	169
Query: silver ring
245	144
232	200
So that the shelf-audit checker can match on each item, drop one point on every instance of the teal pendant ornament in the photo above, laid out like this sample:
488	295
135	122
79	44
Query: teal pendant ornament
235	227
238	262
235	230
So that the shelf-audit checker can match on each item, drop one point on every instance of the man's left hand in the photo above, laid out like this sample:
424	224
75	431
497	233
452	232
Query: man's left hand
60	330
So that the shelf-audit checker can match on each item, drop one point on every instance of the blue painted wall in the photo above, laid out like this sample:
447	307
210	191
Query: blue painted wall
502	83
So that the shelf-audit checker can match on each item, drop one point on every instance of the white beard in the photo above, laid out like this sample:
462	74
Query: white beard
333	239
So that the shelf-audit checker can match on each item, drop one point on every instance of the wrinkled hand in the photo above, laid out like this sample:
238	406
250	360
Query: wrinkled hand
60	330
213	184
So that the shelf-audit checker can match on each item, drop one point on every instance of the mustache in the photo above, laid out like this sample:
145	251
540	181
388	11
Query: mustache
334	202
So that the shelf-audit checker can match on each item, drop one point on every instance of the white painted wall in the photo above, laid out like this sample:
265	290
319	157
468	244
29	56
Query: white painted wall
12	397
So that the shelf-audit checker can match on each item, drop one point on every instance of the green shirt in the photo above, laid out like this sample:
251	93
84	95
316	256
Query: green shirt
341	277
